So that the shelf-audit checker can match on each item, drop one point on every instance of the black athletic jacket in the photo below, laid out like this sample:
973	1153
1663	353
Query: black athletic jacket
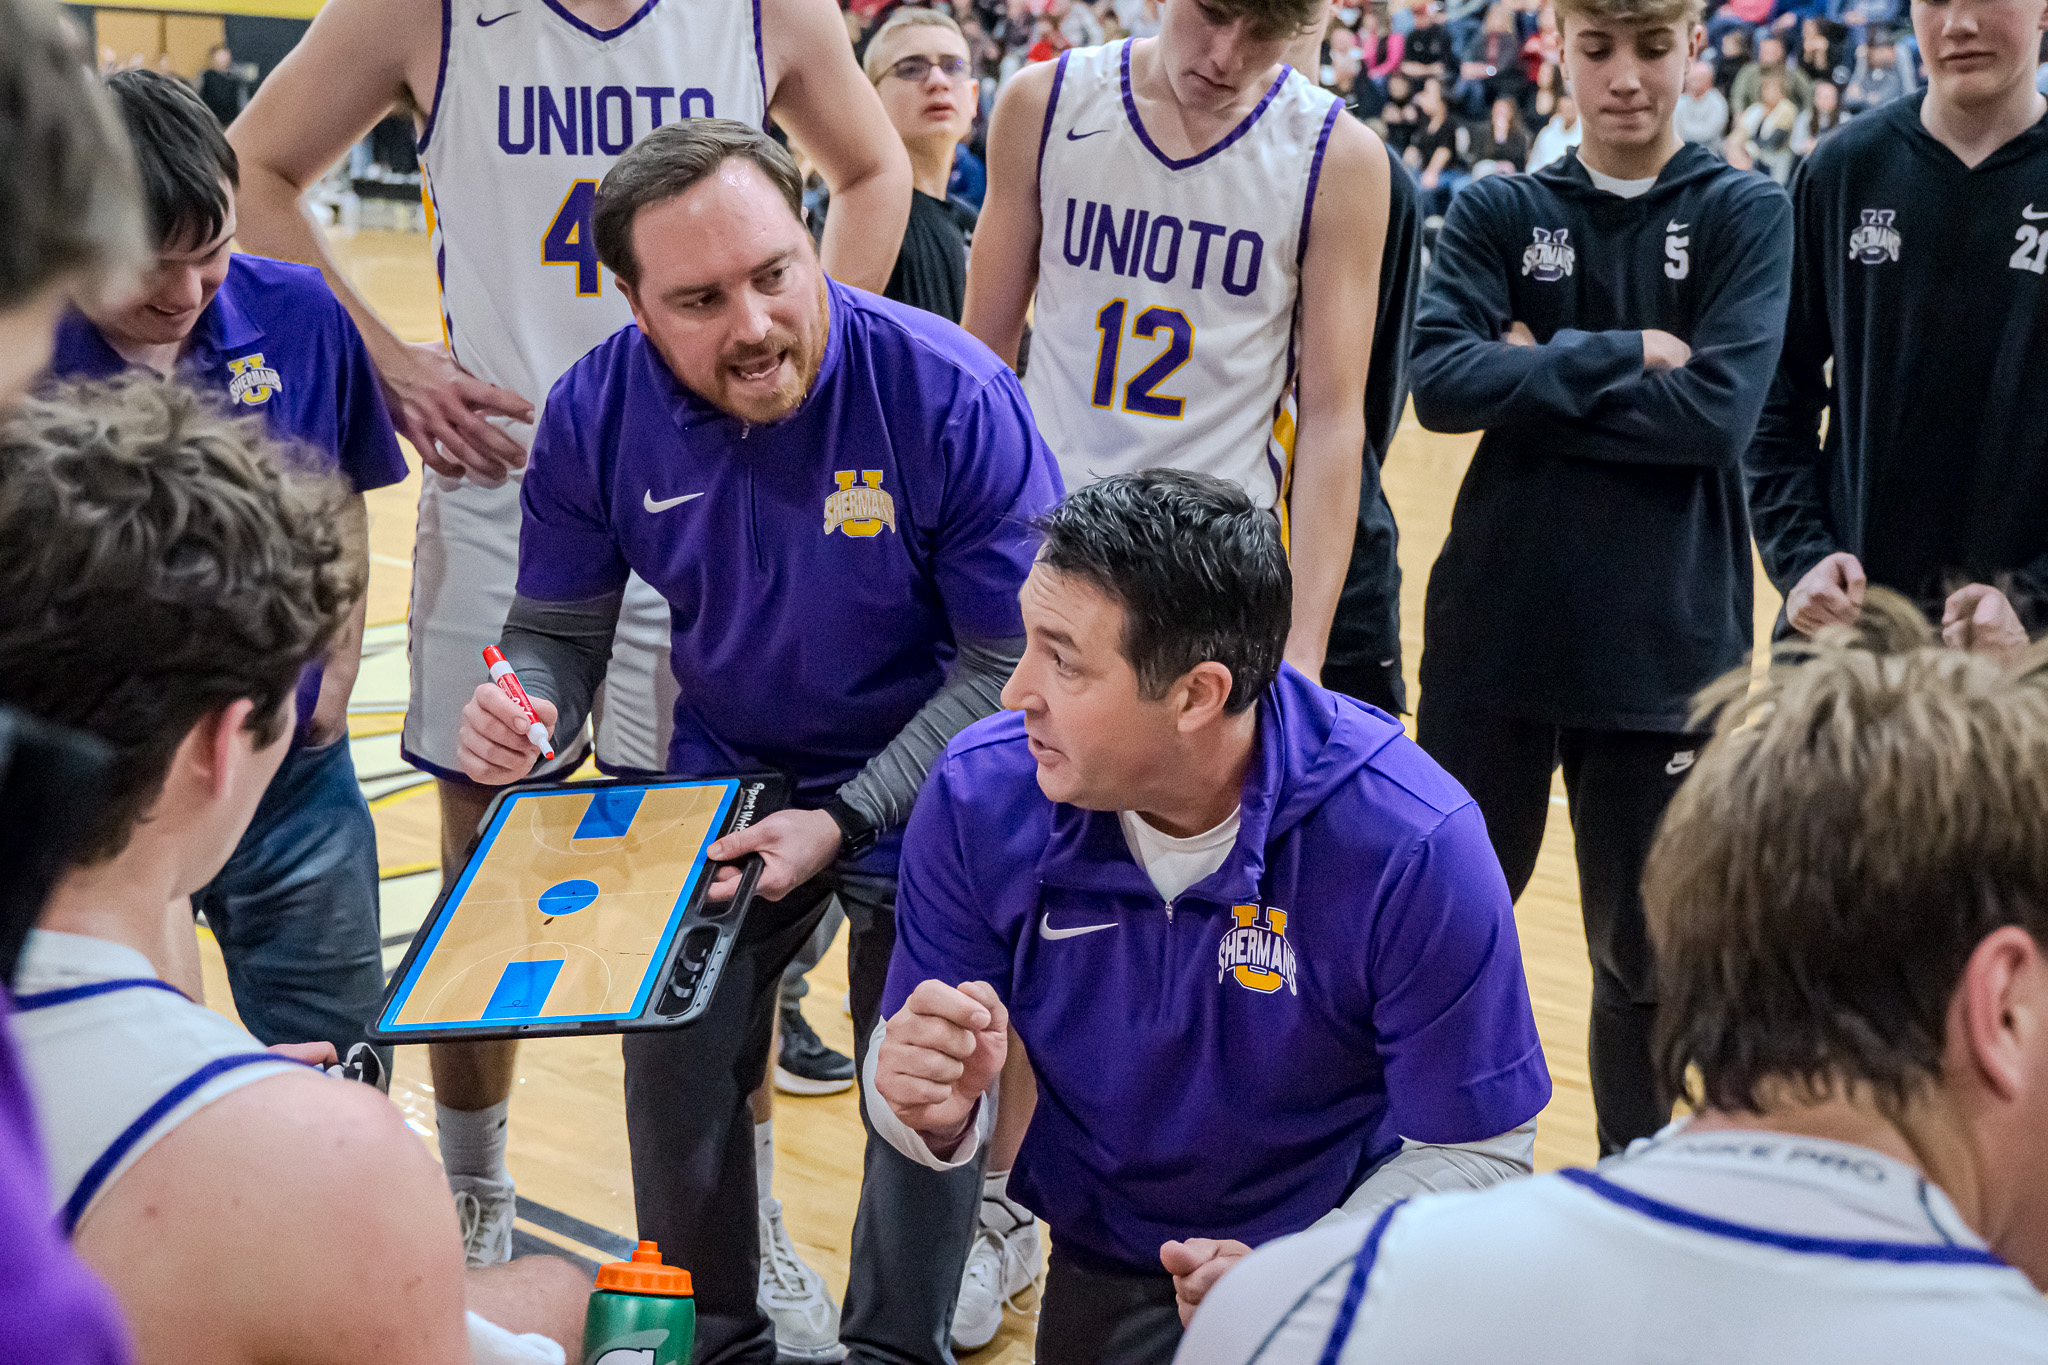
1923	281
1597	571
1365	636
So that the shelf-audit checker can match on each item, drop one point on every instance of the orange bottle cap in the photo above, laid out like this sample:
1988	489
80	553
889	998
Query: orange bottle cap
645	1274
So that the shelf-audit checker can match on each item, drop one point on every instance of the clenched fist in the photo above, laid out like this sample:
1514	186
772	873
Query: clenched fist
941	1051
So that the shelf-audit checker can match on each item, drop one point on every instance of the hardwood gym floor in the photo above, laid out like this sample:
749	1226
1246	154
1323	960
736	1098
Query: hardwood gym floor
568	1138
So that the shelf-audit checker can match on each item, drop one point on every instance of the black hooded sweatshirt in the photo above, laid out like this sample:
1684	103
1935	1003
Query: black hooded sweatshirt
1597	571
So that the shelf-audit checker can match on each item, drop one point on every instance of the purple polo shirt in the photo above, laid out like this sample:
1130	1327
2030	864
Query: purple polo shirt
1234	1065
818	569
53	1311
277	342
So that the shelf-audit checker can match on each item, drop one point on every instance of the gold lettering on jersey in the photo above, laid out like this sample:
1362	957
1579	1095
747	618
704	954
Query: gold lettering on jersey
251	381
861	509
1257	956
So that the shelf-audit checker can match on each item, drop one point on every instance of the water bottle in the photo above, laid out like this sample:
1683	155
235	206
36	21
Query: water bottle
641	1313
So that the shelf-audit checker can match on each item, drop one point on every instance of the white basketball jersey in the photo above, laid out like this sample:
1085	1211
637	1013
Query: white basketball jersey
116	1059
1751	1247
534	107
1164	332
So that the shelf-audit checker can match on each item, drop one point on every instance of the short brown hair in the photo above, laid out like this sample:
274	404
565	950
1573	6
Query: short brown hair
1853	831
672	160
1270	19
159	560
1638	13
69	204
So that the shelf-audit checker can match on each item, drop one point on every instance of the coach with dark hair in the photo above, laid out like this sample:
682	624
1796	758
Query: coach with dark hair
1255	941
833	492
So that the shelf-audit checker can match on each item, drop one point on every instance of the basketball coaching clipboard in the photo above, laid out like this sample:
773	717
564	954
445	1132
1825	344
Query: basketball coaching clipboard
581	909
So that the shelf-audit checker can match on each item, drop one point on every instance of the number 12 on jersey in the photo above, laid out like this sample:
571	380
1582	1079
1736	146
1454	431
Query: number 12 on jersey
1141	393
572	239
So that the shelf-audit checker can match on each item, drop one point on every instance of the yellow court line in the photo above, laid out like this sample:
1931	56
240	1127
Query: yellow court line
397	870
390	799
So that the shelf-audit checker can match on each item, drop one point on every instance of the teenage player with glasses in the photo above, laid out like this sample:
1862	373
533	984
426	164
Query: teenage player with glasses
919	63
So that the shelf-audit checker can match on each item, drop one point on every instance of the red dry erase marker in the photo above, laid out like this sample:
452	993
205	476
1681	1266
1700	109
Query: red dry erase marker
508	683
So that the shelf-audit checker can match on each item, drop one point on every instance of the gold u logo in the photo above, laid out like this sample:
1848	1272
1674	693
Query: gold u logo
862	509
1257	956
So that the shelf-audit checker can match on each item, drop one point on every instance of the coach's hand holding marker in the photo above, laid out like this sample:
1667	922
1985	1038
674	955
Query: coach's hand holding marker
940	1053
496	744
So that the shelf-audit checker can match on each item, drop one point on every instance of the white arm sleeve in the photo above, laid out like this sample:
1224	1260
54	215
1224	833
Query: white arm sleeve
1431	1168
908	1140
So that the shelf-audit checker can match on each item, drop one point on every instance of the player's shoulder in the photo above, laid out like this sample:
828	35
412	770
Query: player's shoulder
1730	189
991	753
1880	135
1506	199
283	291
602	381
912	342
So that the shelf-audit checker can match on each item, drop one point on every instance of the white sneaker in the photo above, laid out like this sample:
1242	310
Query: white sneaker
794	1297
485	1208
1000	1265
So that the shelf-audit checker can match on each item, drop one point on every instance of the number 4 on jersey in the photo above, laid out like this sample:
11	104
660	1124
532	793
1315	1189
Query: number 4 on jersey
571	239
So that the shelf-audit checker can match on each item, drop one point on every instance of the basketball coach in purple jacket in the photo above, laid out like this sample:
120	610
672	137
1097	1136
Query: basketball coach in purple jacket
1254	941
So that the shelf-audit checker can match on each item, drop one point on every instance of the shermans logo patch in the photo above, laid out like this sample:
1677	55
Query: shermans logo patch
251	381
1257	955
861	509
1876	241
1551	256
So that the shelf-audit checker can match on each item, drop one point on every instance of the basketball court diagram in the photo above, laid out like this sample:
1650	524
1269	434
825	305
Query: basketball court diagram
568	906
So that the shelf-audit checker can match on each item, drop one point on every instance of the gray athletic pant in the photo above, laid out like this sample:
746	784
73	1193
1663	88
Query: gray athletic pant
692	1141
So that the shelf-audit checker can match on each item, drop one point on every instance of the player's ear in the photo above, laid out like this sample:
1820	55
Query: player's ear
1699	42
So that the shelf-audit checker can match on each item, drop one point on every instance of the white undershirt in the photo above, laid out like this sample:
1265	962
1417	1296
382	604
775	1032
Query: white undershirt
1173	864
1627	189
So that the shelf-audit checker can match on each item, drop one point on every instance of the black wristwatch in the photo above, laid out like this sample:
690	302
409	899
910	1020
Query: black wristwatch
857	833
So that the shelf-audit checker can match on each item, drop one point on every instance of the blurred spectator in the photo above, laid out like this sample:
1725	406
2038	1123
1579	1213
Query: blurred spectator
1737	16
1731	55
1558	135
1702	112
1540	52
1490	67
1139	18
1399	116
1815	123
1767	126
1549	85
221	86
969	181
1427	51
1824	51
1379	50
1438	149
1501	145
1794	84
1878	78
